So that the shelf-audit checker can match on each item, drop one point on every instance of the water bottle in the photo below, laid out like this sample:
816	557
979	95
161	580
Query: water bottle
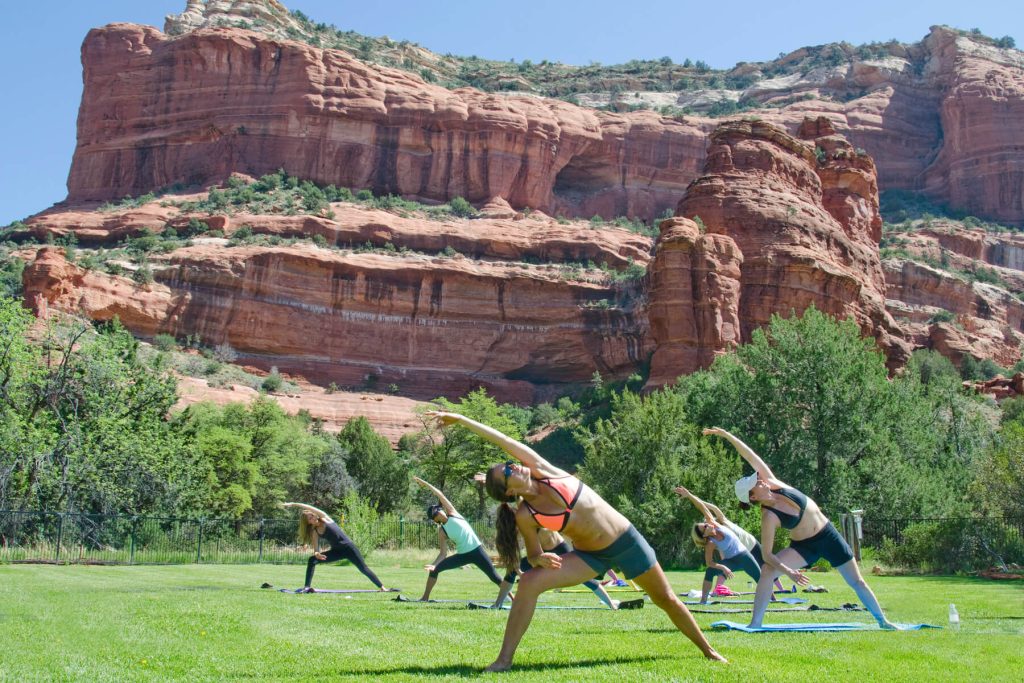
954	617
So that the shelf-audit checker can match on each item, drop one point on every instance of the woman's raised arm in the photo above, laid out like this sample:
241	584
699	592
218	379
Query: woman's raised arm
303	506
697	502
717	512
520	451
449	509
745	451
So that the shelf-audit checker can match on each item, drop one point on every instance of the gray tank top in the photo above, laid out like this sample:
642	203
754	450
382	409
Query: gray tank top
729	545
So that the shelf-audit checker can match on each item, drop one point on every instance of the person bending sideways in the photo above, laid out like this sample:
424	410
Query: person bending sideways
454	527
812	535
736	548
315	524
603	538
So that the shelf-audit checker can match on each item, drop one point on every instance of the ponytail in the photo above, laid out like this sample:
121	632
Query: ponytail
507	540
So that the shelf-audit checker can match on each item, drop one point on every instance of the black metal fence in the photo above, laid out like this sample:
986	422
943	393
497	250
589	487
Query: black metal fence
70	538
929	544
946	544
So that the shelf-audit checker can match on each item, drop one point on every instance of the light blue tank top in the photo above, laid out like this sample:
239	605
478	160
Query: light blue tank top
729	545
461	533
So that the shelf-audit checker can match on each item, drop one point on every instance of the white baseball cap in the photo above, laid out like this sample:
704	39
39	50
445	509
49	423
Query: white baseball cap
743	486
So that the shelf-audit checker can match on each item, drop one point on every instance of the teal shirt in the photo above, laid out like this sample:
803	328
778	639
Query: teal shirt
461	534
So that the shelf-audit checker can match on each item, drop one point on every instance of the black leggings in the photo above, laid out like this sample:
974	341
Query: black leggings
342	551
477	556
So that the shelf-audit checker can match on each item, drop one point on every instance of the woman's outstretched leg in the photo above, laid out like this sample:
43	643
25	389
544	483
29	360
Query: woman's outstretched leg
534	582
352	554
851	573
766	584
657	586
310	568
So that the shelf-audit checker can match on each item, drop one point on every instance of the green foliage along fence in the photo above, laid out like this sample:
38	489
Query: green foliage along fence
69	538
946	545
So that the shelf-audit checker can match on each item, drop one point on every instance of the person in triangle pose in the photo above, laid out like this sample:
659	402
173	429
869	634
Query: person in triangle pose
812	535
315	524
451	526
550	498
736	548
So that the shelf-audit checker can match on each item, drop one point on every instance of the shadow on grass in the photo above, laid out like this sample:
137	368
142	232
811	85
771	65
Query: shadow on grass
465	670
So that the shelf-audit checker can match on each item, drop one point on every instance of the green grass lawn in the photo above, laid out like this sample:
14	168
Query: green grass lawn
201	622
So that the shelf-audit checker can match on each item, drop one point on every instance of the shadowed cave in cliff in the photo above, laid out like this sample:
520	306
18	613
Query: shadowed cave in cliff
585	177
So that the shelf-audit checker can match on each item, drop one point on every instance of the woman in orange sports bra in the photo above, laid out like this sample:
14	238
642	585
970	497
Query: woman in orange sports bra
568	489
603	538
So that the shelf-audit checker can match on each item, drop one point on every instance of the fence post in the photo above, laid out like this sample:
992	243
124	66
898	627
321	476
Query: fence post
60	535
260	558
199	542
401	531
131	546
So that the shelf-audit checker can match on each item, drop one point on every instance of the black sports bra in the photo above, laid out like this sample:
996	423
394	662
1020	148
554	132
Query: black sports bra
786	520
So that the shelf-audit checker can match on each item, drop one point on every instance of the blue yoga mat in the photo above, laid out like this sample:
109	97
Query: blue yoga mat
784	628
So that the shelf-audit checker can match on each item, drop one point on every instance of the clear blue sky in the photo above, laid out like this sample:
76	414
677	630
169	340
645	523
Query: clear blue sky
41	78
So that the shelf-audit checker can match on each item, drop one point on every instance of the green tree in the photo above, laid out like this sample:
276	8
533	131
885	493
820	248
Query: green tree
449	459
381	475
640	453
813	398
999	486
84	421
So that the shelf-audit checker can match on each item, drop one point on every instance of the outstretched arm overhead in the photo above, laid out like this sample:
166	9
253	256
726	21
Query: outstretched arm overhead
697	502
302	506
449	509
520	451
719	515
745	451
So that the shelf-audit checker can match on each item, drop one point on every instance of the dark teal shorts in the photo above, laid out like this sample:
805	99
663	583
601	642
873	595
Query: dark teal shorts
826	543
630	553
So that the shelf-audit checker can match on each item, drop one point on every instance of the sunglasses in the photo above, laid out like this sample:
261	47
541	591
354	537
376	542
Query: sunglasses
508	470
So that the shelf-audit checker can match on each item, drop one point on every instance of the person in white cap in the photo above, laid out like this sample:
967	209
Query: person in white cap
812	535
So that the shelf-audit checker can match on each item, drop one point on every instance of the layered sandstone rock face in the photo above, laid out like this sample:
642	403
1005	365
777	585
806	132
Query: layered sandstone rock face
517	238
973	278
988	320
785	228
938	117
431	325
159	110
695	293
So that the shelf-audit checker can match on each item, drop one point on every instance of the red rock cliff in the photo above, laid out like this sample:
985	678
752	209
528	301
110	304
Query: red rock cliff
158	110
785	229
939	117
431	325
